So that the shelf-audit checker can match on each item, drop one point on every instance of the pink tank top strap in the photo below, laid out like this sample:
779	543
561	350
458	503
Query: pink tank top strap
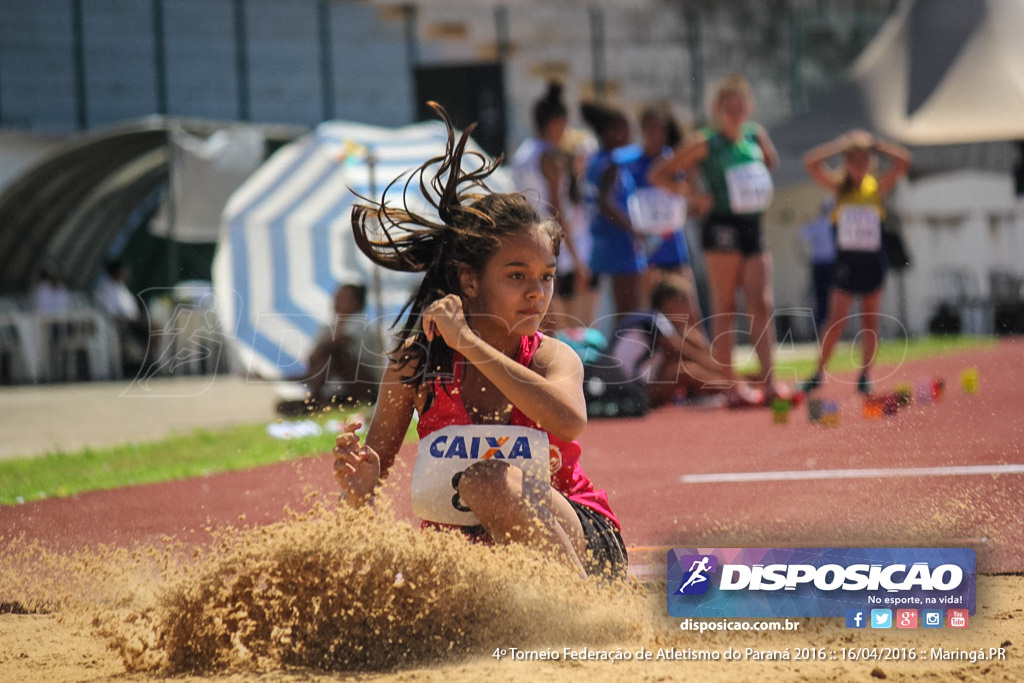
528	347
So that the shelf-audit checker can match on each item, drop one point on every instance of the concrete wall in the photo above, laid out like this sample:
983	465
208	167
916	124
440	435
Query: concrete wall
960	228
643	51
257	60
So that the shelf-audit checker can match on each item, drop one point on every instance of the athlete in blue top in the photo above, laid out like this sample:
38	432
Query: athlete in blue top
617	248
666	251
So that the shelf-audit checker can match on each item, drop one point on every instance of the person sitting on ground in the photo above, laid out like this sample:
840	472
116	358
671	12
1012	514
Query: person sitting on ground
339	372
668	348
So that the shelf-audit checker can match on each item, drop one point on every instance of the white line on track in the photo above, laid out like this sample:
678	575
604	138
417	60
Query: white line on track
804	475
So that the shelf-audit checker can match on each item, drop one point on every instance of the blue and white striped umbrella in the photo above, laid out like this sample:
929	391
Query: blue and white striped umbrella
286	238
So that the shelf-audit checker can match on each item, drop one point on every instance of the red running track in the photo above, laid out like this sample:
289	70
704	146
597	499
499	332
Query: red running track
922	485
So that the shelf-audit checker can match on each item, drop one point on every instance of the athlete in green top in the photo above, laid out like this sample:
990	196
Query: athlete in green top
735	157
735	172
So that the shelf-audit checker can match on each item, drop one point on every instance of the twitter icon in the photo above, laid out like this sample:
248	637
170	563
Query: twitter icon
881	618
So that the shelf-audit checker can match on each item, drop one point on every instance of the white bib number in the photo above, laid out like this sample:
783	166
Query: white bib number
443	456
750	187
859	228
654	211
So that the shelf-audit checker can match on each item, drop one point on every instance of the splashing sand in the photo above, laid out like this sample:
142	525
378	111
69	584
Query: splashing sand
331	589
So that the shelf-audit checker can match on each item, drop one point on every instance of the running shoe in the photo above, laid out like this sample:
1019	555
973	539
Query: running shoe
863	384
814	382
745	396
774	390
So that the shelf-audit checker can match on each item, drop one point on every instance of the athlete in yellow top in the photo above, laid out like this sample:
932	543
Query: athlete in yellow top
857	221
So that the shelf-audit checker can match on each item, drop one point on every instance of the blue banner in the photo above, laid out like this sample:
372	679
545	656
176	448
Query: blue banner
817	582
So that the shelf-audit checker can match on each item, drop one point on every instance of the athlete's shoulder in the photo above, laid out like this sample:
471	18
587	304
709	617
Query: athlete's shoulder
551	350
706	134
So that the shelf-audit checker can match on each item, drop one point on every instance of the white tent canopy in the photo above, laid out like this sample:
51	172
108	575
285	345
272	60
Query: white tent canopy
204	174
939	72
286	239
946	71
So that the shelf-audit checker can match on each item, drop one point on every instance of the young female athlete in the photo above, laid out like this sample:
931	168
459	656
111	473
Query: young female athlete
473	358
857	219
734	158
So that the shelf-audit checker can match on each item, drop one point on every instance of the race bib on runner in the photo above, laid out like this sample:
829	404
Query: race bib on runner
654	211
859	228
750	187
443	456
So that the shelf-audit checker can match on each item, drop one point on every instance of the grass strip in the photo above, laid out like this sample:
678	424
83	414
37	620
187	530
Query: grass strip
800	365
199	453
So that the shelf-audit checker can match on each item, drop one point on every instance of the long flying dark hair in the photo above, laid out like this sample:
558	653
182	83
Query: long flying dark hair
471	220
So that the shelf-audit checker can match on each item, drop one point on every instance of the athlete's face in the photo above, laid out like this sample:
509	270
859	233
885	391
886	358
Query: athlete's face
617	134
554	130
511	295
677	310
653	129
732	110
857	162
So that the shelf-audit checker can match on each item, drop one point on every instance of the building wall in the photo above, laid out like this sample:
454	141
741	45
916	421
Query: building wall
68	65
37	79
960	228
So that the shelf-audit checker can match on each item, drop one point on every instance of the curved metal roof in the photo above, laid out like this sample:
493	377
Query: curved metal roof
40	212
68	208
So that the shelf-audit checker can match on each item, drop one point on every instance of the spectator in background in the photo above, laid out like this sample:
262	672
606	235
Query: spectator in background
50	297
542	173
735	158
113	295
120	304
861	262
336	376
658	213
576	295
665	347
820	246
50	294
618	249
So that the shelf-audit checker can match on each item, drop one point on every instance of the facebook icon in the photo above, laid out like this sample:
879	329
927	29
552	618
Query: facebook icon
856	618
